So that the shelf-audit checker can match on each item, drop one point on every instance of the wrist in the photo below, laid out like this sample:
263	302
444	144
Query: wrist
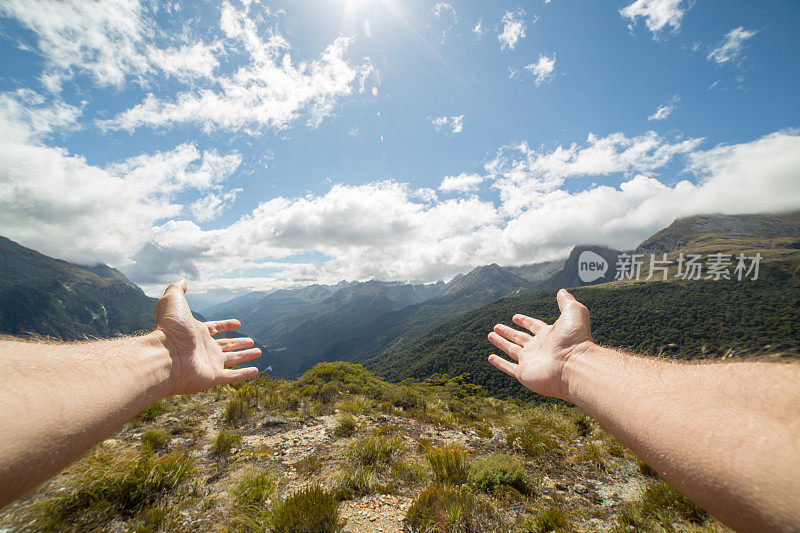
570	371
154	344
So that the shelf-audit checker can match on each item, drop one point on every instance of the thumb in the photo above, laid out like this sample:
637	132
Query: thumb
564	298
178	285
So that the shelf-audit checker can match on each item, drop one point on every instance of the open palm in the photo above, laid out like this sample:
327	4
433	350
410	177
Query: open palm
198	360
540	357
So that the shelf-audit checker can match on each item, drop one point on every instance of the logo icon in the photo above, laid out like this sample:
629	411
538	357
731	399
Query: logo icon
591	266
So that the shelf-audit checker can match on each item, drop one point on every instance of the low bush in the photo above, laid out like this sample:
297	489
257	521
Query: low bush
311	509
489	473
346	426
446	509
449	464
534	440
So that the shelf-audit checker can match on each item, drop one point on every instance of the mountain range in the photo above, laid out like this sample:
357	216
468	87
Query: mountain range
411	330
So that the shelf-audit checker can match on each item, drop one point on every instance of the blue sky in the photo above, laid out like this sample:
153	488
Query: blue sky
257	145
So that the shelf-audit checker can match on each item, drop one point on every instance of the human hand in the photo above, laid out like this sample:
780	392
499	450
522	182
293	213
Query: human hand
199	362
541	357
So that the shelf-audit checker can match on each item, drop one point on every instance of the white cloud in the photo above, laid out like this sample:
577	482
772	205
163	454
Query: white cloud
543	69
26	116
212	205
107	41
523	175
478	28
445	17
271	91
730	47
454	124
657	14
463	182
664	111
513	29
61	205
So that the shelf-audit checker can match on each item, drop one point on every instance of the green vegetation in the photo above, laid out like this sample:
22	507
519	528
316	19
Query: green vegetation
663	504
346	427
550	518
447	508
449	464
309	509
111	484
254	488
153	411
154	439
224	442
499	470
375	451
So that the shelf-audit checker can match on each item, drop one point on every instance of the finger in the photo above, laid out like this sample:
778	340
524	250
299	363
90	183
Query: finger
564	299
235	358
508	347
534	325
179	285
229	345
237	375
502	364
220	326
515	336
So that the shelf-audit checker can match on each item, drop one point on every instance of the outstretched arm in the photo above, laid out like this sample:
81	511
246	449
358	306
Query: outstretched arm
59	400
727	435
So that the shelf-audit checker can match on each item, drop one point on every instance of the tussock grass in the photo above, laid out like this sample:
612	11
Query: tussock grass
449	464
111	484
375	451
446	508
346	426
224	442
306	510
254	488
154	439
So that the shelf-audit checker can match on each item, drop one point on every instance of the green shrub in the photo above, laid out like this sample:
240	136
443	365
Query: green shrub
153	411
583	424
375	451
254	488
311	509
664	503
550	519
109	484
224	442
482	431
236	409
489	473
328	393
593	455
346	426
405	397
449	464
445	509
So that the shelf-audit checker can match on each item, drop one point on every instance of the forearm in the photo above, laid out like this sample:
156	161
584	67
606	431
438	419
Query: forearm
60	400
728	436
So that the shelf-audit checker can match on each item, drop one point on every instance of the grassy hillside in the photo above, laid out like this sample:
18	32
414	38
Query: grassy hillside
676	319
340	449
